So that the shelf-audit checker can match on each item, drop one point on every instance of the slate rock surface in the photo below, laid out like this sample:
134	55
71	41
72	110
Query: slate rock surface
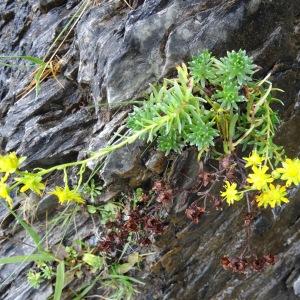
110	57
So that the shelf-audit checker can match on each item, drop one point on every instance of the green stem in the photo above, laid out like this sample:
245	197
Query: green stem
240	140
154	127
262	99
102	152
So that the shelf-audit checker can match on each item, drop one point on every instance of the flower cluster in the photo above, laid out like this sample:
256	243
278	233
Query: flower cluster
290	171
259	178
194	212
270	186
163	191
28	181
137	221
4	193
31	182
9	164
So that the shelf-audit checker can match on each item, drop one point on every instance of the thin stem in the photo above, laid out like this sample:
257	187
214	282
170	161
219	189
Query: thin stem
240	140
65	177
262	99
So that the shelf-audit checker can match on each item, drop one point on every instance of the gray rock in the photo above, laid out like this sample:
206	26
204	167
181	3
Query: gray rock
111	56
157	163
296	286
126	163
33	126
47	205
46	5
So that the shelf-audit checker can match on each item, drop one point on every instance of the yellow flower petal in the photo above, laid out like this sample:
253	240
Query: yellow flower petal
9	163
259	179
290	171
31	181
65	195
253	160
273	196
231	194
4	193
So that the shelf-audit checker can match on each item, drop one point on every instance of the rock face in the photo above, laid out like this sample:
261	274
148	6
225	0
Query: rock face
110	57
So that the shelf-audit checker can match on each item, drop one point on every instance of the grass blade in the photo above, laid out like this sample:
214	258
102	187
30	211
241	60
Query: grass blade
30	231
60	278
32	59
27	258
38	79
86	288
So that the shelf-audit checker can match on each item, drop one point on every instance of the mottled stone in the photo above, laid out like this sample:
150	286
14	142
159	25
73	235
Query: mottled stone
157	162
126	163
47	205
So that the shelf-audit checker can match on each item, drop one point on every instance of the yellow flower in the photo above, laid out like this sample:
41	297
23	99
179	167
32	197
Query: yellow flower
274	196
4	193
231	194
259	179
9	163
290	171
66	195
253	160
31	182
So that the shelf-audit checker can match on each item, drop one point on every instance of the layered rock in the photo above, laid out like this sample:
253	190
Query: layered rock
110	57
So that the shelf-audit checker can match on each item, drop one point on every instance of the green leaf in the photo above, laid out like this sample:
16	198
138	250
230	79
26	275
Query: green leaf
60	279
30	231
93	260
27	258
91	209
7	65
124	277
32	59
86	288
37	77
124	268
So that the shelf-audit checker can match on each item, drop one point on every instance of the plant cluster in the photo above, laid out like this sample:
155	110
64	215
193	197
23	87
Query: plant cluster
218	99
81	263
42	273
137	222
131	223
241	265
269	186
214	105
214	99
